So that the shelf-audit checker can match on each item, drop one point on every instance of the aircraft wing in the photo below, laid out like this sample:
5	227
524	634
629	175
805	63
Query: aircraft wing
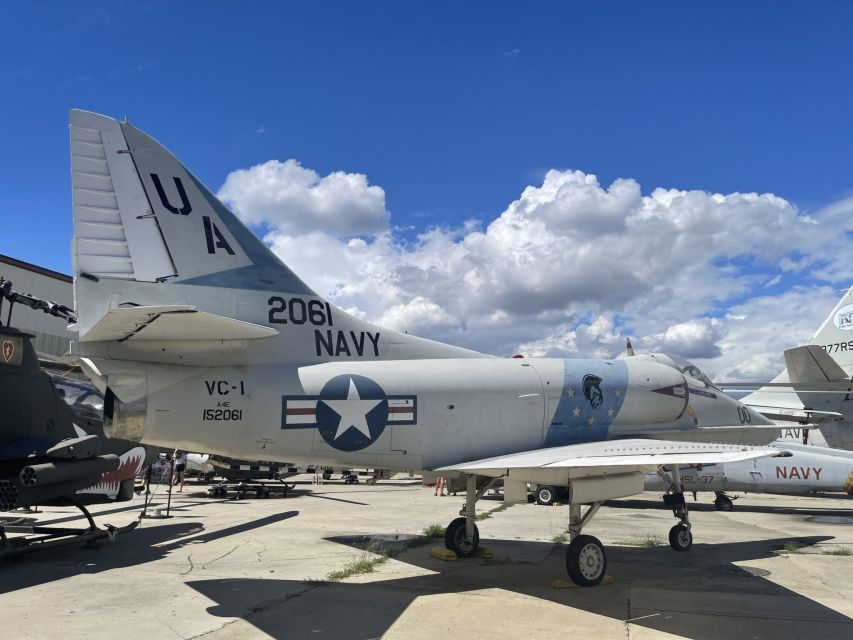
604	470
173	322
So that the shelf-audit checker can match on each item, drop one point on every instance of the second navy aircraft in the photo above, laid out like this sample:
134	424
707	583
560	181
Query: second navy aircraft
202	339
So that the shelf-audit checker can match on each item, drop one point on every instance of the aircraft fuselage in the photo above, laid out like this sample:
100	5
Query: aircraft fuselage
421	414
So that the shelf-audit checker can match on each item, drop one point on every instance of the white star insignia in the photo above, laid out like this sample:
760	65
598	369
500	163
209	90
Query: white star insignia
576	412
618	392
610	412
570	392
591	421
353	411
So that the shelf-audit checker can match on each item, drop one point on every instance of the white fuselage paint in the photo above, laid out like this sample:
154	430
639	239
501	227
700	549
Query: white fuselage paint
464	409
807	470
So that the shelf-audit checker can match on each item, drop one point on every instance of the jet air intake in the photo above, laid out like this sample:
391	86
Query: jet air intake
656	393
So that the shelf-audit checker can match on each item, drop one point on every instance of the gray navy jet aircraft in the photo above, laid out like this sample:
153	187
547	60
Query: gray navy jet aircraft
202	339
816	387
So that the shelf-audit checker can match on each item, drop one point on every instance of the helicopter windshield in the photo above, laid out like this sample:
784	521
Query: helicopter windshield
78	394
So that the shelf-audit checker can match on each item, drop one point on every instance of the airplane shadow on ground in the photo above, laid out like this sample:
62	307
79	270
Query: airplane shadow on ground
131	549
700	594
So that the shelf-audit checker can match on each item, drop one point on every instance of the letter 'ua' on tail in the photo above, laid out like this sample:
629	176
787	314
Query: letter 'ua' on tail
159	259
139	214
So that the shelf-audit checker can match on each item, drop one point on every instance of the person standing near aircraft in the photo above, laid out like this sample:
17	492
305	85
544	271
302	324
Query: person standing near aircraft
180	469
439	486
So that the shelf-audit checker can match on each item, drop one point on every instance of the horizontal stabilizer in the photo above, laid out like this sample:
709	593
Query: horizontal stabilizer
812	365
167	323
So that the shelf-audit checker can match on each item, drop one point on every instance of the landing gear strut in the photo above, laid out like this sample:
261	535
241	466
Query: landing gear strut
41	537
586	560
723	502
680	536
462	536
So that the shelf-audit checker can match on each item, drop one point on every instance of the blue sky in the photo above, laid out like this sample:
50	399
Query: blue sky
452	108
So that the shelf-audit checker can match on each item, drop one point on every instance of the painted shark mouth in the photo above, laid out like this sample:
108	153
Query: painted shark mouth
131	465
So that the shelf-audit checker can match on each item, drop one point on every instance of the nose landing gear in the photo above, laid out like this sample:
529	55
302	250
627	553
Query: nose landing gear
680	536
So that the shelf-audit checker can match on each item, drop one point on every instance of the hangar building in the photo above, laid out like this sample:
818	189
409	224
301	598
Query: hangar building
51	334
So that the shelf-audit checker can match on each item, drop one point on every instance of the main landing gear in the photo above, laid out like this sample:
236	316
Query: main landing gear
586	561
462	536
723	502
680	537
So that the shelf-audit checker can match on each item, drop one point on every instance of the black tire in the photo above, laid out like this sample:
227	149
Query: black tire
680	537
586	561
546	495
125	490
457	541
723	503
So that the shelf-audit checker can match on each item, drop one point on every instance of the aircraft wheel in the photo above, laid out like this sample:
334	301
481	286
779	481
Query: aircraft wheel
680	537
723	503
586	561
546	495
458	541
125	490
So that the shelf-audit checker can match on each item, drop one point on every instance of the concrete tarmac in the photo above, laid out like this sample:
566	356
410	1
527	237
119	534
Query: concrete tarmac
260	568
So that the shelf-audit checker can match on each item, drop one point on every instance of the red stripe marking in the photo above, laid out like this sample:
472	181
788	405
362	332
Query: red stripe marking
301	412
400	409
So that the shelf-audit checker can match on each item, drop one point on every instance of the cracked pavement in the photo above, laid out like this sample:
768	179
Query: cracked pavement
253	569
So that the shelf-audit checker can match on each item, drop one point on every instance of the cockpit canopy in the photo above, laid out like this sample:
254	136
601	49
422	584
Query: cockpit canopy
81	395
690	370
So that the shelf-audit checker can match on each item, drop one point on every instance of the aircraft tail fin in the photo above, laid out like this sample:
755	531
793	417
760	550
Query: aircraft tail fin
159	258
826	360
835	335
139	214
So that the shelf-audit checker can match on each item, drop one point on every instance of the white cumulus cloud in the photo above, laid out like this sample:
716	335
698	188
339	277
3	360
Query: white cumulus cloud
294	199
571	267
